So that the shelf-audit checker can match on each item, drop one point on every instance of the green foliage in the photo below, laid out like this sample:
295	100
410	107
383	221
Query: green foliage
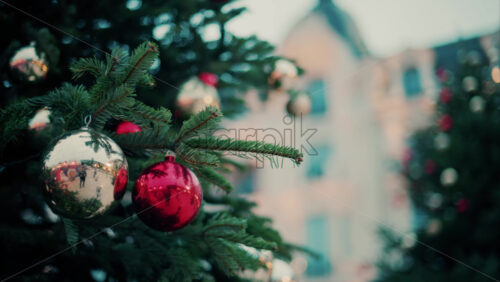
71	233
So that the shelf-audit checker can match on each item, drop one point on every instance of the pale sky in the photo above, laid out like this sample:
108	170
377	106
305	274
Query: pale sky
387	26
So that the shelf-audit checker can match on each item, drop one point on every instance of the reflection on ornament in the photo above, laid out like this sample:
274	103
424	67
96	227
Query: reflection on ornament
196	95
495	74
449	176
28	65
265	257
469	83
84	172
40	120
299	105
433	227
441	141
167	195
284	75
476	104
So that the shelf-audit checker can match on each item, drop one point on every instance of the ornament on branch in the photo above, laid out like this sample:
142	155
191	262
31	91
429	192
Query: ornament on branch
445	95
265	257
85	172
284	75
167	195
198	93
300	105
445	123
476	104
449	177
28	65
40	120
126	127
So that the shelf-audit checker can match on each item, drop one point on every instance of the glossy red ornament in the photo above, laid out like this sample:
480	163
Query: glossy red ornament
126	127
167	195
445	123
445	95
209	78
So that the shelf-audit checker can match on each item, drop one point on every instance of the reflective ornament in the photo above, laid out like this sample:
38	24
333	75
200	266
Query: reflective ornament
283	75
300	105
445	95
441	141
449	177
476	104
445	123
209	79
265	257
195	95
40	120
84	171
126	127
167	195
469	83
28	65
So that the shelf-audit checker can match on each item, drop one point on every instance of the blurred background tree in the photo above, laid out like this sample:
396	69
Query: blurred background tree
454	184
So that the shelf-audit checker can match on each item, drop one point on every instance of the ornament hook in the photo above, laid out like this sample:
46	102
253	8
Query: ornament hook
87	120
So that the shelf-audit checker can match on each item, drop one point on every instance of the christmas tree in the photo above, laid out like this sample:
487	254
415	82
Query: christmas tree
452	171
98	93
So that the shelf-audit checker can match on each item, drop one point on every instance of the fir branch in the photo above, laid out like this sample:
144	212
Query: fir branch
255	147
206	119
196	157
71	232
144	60
214	178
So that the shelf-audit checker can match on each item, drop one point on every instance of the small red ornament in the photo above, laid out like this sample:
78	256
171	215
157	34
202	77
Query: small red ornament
445	123
430	166
445	95
209	79
462	205
167	195
126	127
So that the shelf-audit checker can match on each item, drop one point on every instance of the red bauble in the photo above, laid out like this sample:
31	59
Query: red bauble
445	123
127	127
209	78
462	205
445	95
167	195
430	166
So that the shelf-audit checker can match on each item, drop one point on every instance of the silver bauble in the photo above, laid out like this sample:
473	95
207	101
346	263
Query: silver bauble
194	96
85	172
299	105
28	65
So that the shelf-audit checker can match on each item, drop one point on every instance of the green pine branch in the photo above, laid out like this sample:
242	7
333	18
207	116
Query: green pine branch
200	124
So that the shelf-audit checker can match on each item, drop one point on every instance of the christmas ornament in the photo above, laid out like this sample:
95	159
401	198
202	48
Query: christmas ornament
462	205
449	176
265	257
40	120
441	141
284	75
476	104
27	65
84	172
430	166
126	127
469	83
198	93
282	271
167	195
445	95
433	227
445	123
299	105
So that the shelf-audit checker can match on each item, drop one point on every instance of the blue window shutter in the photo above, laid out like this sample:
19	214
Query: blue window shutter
317	164
412	83
318	240
317	90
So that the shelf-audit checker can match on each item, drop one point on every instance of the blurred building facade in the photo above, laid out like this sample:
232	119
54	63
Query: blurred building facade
363	109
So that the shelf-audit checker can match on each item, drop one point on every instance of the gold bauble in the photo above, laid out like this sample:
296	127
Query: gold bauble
85	172
28	65
195	96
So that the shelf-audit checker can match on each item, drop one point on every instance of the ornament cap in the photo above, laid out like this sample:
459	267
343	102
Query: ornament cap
170	158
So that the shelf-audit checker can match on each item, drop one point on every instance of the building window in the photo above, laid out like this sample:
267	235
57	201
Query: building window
317	90
342	235
318	241
411	82
317	164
